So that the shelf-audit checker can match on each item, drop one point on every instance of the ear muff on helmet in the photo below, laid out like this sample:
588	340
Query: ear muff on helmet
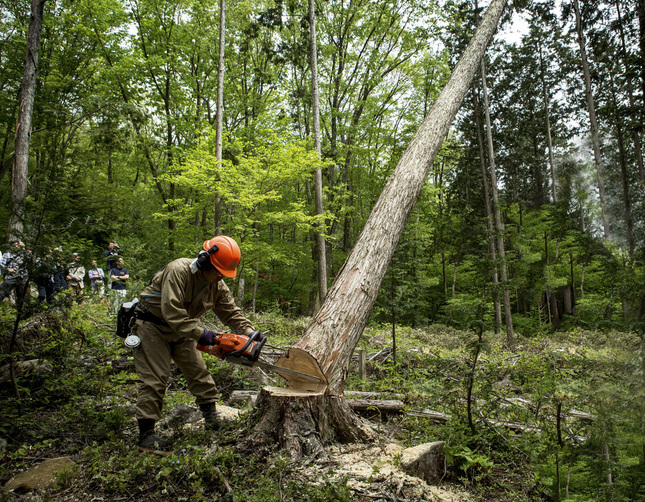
227	257
204	258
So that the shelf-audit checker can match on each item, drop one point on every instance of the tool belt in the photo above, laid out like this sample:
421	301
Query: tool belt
145	315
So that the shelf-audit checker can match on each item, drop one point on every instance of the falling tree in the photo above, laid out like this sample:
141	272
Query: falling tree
305	416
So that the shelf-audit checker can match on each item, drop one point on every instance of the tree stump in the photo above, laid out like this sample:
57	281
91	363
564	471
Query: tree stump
301	423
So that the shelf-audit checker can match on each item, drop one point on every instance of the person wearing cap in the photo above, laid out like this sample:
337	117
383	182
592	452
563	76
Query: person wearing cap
169	328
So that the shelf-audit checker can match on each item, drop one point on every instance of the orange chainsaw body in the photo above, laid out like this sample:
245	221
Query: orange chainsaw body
230	344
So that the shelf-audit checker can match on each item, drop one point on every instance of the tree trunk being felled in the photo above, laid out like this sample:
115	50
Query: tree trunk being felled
304	418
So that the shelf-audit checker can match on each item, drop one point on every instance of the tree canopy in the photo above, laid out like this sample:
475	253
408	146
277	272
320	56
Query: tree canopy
123	146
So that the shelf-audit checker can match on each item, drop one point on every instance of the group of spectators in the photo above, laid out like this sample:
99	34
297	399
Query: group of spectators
52	275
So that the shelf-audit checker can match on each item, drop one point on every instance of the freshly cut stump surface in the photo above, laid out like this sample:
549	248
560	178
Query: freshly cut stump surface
304	362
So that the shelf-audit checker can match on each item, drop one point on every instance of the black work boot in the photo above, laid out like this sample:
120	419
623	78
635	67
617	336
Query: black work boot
148	440
211	419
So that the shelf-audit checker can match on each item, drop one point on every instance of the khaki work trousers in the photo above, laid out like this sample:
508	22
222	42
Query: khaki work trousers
152	361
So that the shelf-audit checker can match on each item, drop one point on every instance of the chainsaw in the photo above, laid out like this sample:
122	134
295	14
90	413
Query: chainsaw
245	350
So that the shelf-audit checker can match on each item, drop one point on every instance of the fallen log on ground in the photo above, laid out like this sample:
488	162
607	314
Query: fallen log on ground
383	406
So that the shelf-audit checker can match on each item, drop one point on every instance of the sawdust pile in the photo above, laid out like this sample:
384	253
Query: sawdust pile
372	472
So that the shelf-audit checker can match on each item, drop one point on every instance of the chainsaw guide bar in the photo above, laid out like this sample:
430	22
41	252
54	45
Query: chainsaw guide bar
245	351
272	367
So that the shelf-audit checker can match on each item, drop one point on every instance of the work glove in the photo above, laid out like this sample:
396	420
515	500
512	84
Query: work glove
207	338
259	335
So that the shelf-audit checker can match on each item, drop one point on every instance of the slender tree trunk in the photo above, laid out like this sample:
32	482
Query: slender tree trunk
241	284
20	169
641	24
320	234
393	307
593	122
548	295
219	119
627	204
497	213
583	272
255	287
630	94
605	453
298	419
547	120
489	220
454	270
566	492
470	382
7	159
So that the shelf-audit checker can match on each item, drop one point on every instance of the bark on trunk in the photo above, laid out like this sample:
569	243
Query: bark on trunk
320	234
641	44
301	423
547	120
23	126
630	94
622	157
219	119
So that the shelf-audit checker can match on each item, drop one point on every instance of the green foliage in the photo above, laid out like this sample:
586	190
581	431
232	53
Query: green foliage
517	399
84	409
461	311
125	149
596	312
475	466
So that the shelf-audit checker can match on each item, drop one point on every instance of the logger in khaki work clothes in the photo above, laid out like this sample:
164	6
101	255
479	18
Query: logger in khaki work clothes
168	326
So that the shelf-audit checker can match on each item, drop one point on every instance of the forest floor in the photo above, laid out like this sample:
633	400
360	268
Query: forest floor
514	424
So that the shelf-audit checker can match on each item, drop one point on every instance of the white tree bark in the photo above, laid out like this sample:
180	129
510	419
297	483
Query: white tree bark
547	120
489	221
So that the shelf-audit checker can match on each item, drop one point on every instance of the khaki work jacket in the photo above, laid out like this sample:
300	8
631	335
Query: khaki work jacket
180	297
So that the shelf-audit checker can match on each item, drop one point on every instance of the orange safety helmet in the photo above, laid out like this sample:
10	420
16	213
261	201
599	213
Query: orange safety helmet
226	256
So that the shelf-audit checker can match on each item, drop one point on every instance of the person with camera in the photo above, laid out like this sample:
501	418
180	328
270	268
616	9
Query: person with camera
168	326
111	255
